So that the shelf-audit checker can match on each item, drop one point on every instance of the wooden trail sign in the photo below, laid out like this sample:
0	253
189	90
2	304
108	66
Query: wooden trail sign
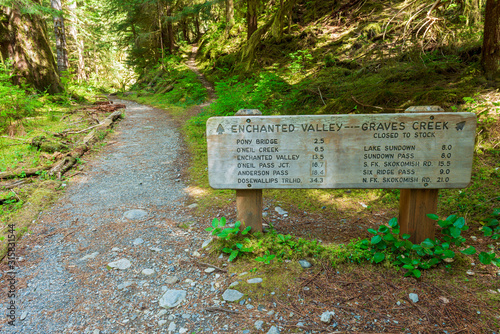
403	151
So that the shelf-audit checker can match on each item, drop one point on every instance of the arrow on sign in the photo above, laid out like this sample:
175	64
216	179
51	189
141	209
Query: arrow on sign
220	129
460	126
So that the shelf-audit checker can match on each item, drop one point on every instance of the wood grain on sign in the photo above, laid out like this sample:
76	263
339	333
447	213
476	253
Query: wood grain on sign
414	151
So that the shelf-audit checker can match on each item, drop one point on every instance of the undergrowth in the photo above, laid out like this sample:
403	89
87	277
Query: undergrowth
386	245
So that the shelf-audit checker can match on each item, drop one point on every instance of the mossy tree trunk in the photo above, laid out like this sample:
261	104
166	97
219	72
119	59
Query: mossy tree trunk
491	40
229	15
60	34
252	14
279	20
24	41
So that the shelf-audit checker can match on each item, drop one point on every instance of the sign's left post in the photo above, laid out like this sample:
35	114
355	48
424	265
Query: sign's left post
249	201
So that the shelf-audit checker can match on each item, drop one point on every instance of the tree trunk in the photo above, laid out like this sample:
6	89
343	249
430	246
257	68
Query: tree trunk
491	41
78	43
23	39
197	26
229	15
279	21
61	48
252	14
170	30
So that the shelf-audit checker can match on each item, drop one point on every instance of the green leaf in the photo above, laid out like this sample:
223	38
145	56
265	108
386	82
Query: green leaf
209	229
372	231
433	216
383	229
406	236
239	245
227	250
487	231
459	223
408	266
485	258
223	221
396	231
376	239
427	243
449	254
233	255
416	273
378	257
389	237
451	219
469	251
246	230
455	232
393	222
237	225
215	223
496	212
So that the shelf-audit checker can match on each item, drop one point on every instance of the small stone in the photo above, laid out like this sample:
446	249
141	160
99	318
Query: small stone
155	249
186	316
135	214
196	254
273	330
171	279
124	285
249	306
183	330
121	264
172	298
305	264
265	214
162	322
188	281
90	256
231	295
23	316
96	331
258	325
206	243
470	273
300	324
148	272
243	274
115	249
161	313
413	297
193	206
138	241
280	211
255	280
171	327
327	316
234	284
209	270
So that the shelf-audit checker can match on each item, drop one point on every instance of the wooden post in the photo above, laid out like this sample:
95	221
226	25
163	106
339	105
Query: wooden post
249	202
415	204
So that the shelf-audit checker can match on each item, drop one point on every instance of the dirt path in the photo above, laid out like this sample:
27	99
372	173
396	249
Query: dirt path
128	204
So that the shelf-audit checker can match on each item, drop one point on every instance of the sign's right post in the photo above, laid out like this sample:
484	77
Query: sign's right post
415	204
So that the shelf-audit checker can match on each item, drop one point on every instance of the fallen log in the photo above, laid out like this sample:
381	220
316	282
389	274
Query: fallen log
23	172
69	159
72	157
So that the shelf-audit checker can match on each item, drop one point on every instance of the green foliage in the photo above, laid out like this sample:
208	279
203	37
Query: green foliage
386	245
16	102
300	60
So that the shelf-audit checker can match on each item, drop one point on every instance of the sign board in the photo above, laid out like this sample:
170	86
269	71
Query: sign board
414	151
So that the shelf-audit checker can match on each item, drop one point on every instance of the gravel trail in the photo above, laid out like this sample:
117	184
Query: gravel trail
127	208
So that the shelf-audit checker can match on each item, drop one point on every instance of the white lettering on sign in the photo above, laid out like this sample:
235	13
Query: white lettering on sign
426	151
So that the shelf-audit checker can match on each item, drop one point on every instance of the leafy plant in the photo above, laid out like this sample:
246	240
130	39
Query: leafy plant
236	250
218	229
266	258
